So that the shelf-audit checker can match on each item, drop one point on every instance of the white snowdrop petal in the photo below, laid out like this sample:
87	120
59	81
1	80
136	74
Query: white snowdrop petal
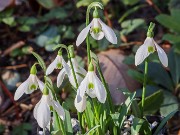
80	106
51	67
66	67
91	92
82	35
97	36
40	83
99	89
141	54
71	79
35	109
108	32
43	113
60	77
21	89
162	55
59	109
82	89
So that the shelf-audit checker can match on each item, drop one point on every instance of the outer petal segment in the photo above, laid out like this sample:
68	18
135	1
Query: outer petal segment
51	67
43	113
81	37
21	89
108	32
99	89
60	77
59	109
80	106
162	55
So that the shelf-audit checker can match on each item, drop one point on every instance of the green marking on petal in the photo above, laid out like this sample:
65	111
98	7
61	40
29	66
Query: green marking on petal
59	65
96	30
90	86
33	87
151	49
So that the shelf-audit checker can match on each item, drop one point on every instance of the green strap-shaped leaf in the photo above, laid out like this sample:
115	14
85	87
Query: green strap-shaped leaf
92	129
67	121
152	102
163	122
40	61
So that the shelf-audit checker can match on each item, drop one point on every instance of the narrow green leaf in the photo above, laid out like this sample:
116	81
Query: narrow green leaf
163	122
40	61
140	126
125	108
67	121
135	108
152	102
92	129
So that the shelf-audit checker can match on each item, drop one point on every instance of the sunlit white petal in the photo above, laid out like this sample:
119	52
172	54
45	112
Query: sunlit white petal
66	67
82	35
52	66
162	55
99	89
82	89
141	54
80	106
35	109
40	83
108	32
43	112
21	89
60	77
59	109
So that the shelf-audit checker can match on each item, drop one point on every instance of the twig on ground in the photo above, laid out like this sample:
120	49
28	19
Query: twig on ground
8	93
151	3
12	47
15	66
107	18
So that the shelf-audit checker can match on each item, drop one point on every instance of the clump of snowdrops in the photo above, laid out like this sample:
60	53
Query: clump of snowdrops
95	111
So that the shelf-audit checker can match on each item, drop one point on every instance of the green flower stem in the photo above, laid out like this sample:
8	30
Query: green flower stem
87	38
93	4
106	87
59	122
75	79
74	75
144	87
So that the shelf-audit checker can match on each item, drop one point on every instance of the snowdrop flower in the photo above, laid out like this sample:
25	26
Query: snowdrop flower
42	111
78	70
150	46
30	85
98	30
58	63
92	86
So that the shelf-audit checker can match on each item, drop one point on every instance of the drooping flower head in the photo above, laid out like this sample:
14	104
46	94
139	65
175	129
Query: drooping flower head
79	71
30	85
58	63
98	30
92	86
150	46
42	111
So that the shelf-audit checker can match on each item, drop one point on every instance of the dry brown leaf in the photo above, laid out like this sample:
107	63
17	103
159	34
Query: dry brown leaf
115	73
